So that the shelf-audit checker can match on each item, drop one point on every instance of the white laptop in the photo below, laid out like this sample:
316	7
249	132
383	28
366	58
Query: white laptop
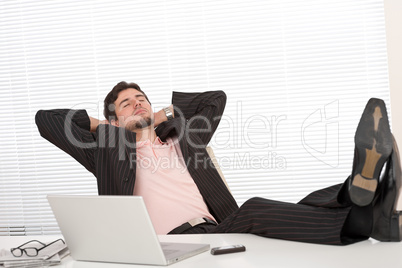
114	229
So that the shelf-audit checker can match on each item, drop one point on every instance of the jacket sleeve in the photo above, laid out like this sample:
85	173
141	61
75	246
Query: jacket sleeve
202	111
69	130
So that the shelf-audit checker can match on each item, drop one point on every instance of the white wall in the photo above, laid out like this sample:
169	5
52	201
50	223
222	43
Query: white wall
393	22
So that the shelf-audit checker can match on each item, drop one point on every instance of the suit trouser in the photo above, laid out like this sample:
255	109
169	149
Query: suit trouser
318	218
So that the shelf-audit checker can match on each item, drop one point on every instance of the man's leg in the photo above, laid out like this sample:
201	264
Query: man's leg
380	219
358	224
296	222
340	214
318	218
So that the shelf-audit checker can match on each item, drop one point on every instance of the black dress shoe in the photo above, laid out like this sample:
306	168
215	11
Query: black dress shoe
387	221
373	146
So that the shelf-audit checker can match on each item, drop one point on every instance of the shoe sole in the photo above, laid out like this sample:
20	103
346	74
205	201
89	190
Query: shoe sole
373	141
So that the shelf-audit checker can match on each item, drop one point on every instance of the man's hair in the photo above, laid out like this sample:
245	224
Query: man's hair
108	103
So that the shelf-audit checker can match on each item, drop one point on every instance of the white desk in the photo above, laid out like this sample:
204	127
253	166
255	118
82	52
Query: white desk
260	252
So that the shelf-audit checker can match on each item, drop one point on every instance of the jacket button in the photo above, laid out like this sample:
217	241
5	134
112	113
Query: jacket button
125	179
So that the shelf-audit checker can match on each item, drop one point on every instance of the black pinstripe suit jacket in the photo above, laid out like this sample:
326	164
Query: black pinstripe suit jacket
110	153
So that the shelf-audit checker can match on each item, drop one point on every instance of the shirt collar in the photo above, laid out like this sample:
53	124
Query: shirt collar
157	142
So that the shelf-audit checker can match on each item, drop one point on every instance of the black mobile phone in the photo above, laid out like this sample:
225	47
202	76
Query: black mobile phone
227	249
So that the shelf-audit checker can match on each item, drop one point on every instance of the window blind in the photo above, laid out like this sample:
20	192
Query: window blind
297	75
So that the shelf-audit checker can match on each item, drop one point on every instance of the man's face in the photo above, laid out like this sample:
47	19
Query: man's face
133	110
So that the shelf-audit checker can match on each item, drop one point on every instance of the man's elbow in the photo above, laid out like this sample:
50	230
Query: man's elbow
39	117
40	121
222	97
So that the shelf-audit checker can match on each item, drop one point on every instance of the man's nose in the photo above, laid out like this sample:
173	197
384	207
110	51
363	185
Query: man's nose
137	104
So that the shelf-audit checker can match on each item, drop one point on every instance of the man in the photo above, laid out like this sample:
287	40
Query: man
162	156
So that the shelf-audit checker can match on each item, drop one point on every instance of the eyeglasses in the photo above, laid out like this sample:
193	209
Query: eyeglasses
31	251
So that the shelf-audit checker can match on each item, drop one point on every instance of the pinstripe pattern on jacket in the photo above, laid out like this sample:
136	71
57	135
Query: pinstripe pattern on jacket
110	153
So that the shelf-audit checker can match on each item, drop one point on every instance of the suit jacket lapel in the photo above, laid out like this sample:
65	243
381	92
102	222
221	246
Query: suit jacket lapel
176	126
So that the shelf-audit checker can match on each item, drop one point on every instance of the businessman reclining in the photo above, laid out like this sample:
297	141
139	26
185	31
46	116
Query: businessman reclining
184	193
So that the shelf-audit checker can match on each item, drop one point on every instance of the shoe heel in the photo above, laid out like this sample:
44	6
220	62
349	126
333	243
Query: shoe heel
362	190
396	227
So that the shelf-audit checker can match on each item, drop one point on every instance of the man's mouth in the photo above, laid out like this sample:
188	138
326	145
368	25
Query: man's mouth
139	111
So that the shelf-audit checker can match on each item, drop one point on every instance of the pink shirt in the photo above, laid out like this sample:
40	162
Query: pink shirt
162	179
